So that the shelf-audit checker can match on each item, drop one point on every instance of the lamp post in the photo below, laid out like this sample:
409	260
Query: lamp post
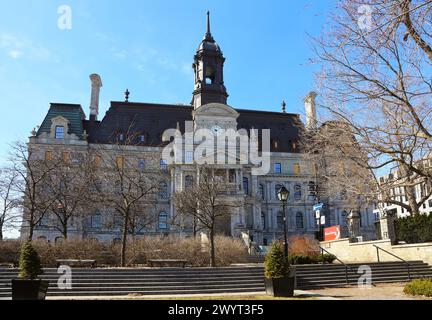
283	195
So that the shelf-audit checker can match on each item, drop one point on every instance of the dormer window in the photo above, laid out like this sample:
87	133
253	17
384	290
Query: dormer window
59	132
121	137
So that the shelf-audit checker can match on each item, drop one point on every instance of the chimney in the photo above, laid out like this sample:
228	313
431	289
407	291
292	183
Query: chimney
310	108
96	83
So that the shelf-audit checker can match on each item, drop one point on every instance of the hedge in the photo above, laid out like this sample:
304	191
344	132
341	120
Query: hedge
414	229
311	259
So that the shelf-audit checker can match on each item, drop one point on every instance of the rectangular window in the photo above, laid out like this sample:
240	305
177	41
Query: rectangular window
48	155
120	162
141	163
65	156
142	138
97	160
277	168
430	203
296	167
59	132
96	221
189	157
163	165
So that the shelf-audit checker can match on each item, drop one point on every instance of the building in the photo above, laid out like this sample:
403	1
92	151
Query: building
395	188
260	219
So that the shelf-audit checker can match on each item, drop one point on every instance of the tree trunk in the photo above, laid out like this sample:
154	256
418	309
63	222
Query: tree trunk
124	240
65	231
31	231
212	249
1	233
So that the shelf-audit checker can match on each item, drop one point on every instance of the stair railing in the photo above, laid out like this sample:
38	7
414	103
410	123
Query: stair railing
406	262
343	263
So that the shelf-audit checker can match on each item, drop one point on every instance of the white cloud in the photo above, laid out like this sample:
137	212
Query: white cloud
15	54
19	47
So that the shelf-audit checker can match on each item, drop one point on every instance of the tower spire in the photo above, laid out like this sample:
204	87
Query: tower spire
208	35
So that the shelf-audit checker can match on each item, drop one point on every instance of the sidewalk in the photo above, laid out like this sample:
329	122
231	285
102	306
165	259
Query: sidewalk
299	294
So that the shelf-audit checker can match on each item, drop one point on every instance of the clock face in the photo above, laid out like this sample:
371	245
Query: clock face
216	130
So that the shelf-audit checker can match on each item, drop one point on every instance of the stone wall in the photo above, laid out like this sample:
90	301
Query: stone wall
366	252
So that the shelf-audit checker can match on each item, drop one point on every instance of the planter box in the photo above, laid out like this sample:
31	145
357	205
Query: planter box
281	287
29	289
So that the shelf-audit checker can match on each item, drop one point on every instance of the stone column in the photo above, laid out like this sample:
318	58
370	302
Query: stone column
387	227
354	225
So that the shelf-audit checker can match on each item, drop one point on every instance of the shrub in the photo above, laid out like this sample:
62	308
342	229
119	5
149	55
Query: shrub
414	229
10	251
300	259
276	265
326	258
303	245
29	263
419	287
139	251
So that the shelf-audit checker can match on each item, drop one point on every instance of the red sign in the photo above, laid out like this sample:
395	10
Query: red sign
332	233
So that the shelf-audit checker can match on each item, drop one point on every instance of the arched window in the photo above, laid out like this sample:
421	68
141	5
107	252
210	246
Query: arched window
163	190
163	165
344	216
299	220
277	188
263	220
297	192
246	185
163	221
188	181
280	220
210	75
96	221
261	191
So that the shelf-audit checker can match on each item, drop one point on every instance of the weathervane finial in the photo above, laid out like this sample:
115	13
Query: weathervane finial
127	93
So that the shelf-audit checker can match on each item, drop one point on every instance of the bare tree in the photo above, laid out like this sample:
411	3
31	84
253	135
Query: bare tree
9	200
374	80
125	186
69	184
346	171
207	203
33	171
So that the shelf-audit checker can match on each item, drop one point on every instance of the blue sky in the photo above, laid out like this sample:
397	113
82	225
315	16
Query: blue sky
148	47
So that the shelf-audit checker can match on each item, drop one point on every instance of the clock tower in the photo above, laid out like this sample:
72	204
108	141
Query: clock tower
208	70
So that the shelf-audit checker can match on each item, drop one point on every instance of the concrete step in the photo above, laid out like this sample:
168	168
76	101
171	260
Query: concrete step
117	281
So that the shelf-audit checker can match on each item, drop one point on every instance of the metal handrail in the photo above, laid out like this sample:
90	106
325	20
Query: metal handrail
392	254
345	265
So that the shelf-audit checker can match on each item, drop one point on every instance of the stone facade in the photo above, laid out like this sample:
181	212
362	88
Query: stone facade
259	219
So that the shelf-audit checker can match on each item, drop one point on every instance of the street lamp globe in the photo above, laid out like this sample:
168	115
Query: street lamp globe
283	194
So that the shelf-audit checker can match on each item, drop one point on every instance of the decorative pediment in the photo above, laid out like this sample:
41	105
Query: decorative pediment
216	110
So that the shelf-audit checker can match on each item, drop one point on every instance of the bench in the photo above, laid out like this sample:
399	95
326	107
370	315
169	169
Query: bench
76	263
170	262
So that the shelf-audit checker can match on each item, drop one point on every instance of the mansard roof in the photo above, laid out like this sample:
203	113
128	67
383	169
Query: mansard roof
72	112
153	119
